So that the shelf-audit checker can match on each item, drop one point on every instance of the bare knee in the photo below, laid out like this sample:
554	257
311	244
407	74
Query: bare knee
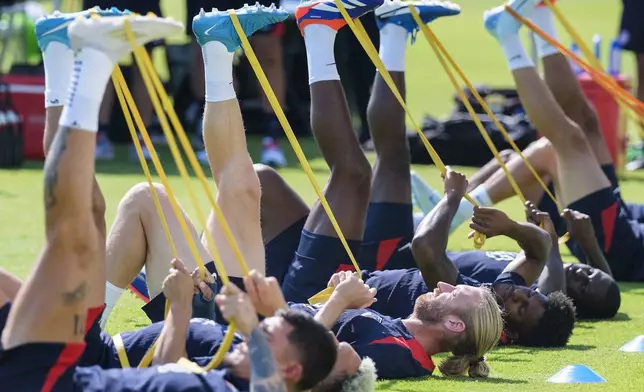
139	198
355	174
268	177
75	240
242	182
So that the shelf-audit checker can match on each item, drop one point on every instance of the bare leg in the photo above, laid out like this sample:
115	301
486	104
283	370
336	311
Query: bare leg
488	169
9	284
137	238
281	205
232	168
348	187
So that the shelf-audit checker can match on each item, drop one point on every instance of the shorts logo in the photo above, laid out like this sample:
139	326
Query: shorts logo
501	256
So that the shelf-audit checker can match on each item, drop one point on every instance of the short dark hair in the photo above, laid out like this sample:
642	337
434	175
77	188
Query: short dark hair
315	347
555	326
604	309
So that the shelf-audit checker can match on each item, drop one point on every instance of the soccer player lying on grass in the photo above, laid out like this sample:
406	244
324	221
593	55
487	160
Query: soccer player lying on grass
619	237
44	334
137	237
389	225
591	286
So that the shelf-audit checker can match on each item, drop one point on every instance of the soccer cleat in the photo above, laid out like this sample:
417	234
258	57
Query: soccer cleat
397	12
108	34
53	28
217	25
325	12
501	24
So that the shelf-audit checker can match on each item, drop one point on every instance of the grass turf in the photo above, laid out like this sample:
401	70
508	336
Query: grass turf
594	344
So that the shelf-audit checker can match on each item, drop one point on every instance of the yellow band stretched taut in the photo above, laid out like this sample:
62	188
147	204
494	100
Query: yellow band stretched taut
361	35
120	351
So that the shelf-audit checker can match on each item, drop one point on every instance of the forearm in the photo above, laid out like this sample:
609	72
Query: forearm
171	345
330	312
553	276
265	376
429	245
595	257
534	241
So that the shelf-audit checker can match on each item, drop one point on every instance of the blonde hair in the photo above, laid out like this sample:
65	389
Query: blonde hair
483	327
363	380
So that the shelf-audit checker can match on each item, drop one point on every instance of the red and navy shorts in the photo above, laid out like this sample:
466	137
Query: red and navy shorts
620	238
389	228
42	367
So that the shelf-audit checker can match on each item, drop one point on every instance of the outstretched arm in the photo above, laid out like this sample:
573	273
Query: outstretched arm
430	241
178	289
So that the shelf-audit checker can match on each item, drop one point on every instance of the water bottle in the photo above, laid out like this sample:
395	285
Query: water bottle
575	49
615	61
597	46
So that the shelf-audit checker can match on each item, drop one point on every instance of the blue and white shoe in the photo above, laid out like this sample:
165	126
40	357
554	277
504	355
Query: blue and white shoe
397	12
501	24
325	12
217	26
53	28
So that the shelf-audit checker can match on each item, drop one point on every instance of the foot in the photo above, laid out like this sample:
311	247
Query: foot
423	196
272	154
325	12
53	28
217	25
108	34
501	24
397	12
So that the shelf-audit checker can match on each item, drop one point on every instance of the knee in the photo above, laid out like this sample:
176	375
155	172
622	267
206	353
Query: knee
240	181
590	121
139	198
268	177
422	249
355	173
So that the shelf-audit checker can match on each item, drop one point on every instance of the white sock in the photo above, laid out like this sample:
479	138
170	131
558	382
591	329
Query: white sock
393	43
58	60
91	72
515	53
218	68
320	41
112	295
542	17
466	209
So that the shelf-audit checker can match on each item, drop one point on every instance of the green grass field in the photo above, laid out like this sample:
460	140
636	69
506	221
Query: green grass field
594	344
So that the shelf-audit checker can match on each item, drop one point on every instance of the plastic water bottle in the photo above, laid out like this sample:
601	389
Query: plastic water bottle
597	46
575	49
615	61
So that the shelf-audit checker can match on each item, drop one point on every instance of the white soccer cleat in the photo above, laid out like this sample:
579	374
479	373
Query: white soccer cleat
501	24
108	34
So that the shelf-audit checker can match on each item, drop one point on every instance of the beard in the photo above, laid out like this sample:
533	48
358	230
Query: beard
429	309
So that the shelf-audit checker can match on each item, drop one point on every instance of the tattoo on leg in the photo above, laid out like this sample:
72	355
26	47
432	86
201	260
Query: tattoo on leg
56	150
79	325
76	295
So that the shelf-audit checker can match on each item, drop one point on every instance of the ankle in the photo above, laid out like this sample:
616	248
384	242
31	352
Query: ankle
320	43
515	53
218	72
58	60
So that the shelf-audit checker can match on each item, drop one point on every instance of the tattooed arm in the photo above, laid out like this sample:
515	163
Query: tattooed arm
265	376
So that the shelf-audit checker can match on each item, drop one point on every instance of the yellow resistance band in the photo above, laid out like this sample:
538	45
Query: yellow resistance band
120	351
593	61
361	35
442	55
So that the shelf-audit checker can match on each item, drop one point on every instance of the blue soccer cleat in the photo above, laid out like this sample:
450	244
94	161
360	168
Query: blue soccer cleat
325	12
217	25
501	24
53	28
397	12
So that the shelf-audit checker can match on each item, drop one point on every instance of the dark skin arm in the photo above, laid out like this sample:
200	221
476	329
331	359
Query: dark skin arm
581	230
430	241
535	242
553	277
